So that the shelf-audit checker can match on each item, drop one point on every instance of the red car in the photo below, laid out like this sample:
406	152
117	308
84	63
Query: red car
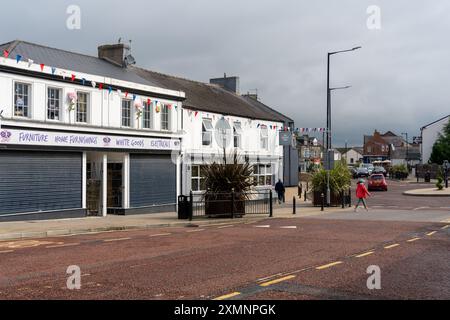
377	182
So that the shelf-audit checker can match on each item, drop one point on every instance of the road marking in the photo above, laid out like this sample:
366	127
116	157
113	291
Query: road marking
431	233
329	265
228	296
223	227
420	208
289	227
265	226
160	234
392	246
191	231
364	254
413	239
445	227
118	239
63	245
269	283
6	251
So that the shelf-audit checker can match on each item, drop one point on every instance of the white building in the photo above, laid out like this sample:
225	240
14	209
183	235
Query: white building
73	141
83	135
430	134
352	155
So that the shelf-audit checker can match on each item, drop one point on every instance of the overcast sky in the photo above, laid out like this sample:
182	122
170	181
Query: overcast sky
400	78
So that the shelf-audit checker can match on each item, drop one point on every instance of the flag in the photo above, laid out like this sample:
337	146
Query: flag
73	77
83	81
100	86
6	53
42	67
18	58
93	84
53	70
30	63
109	89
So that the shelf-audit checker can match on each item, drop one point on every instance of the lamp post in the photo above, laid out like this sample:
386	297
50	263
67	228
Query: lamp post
407	149
328	129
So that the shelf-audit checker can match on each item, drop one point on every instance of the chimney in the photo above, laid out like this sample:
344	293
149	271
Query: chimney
118	54
252	95
228	83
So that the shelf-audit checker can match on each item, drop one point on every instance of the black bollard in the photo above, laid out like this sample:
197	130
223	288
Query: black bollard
323	202
294	207
304	196
343	200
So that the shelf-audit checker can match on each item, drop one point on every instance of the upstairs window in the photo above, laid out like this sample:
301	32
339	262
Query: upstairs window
126	113
165	116
82	107
22	99
264	137
147	116
53	103
207	130
237	134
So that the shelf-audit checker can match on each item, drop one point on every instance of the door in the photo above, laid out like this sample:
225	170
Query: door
115	185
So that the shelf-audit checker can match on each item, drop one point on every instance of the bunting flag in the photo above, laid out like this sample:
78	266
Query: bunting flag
53	70
149	102
93	84
83	81
196	113
18	58
134	97
310	130
169	106
42	67
73	77
109	89
6	53
126	94
100	86
119	92
30	63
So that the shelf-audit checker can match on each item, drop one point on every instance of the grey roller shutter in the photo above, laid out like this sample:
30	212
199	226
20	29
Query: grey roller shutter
152	180
39	181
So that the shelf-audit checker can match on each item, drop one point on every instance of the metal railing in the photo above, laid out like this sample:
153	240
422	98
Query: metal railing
225	205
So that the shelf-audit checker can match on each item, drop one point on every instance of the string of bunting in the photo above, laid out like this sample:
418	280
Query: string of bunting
84	81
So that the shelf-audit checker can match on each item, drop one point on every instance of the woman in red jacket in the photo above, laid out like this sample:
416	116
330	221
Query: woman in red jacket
361	194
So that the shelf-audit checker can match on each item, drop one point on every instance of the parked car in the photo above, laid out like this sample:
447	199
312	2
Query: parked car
362	172
353	172
380	170
377	182
368	166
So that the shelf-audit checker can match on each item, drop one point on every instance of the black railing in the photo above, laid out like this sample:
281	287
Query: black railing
225	205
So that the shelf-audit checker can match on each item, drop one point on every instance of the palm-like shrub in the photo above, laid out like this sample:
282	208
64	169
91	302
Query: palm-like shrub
234	174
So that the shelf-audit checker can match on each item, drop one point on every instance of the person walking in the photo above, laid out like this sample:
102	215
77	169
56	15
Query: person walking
361	194
280	190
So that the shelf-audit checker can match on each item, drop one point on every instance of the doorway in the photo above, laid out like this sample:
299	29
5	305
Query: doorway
115	186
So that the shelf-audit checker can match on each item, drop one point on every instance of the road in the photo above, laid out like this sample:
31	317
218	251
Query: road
319	257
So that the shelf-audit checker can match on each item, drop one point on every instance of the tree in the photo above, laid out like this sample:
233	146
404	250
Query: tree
441	148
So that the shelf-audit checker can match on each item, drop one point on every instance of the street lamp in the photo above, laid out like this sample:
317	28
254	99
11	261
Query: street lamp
328	131
407	148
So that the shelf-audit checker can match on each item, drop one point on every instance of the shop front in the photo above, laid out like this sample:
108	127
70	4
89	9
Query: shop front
51	175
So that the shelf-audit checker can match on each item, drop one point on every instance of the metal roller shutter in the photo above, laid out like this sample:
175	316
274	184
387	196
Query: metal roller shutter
39	181
152	180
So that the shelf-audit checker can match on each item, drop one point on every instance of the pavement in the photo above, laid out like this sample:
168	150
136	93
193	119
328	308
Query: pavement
428	192
50	228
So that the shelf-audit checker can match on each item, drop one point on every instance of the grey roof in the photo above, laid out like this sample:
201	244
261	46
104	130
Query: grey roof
72	61
430	124
213	98
259	105
200	96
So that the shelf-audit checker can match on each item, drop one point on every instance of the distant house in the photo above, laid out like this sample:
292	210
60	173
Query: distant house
310	152
352	155
430	134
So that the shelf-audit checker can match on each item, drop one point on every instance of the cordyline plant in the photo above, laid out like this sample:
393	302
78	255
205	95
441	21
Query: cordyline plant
235	173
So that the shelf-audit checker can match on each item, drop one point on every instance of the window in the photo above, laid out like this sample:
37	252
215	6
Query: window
207	130
165	123
126	113
53	103
198	179
262	174
82	107
147	116
237	132
22	97
264	137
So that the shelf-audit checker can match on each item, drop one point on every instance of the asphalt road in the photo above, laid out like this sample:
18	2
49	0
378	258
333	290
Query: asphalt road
325	256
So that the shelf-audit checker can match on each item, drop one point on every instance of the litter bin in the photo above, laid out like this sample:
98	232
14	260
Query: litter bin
183	207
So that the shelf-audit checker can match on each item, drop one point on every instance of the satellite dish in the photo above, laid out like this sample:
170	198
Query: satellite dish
223	133
129	60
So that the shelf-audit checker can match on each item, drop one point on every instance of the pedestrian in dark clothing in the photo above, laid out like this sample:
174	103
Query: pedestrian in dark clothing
280	190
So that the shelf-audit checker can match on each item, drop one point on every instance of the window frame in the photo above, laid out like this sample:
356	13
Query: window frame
165	110
30	98
264	138
237	134
88	107
199	178
130	116
263	175
61	103
205	130
149	111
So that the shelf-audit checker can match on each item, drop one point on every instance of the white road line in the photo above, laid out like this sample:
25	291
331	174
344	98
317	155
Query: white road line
266	226
192	231
420	208
63	245
6	251
159	235
289	227
118	239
